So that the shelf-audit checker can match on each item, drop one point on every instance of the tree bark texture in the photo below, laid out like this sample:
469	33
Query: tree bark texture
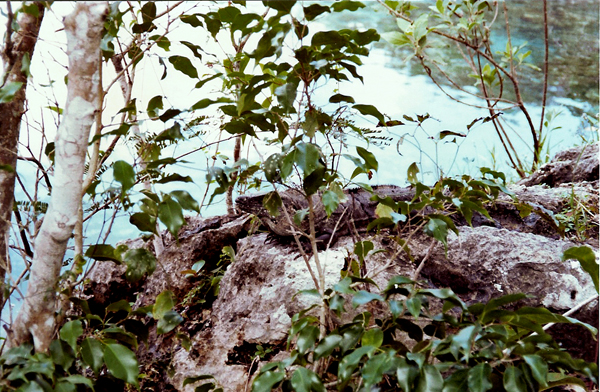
36	320
17	45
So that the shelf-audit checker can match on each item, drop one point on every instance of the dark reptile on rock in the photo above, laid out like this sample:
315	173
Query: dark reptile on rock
357	210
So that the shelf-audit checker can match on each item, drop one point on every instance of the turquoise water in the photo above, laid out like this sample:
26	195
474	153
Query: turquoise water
400	88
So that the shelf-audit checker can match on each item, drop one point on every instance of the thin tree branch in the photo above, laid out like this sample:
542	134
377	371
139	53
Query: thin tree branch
546	49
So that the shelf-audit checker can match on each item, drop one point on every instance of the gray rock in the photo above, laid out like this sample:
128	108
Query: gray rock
573	165
255	305
487	262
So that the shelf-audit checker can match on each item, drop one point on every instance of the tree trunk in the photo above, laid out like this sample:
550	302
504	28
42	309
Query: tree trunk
36	320
17	45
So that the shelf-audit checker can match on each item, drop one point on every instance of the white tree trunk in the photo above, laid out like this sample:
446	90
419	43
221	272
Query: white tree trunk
36	320
17	45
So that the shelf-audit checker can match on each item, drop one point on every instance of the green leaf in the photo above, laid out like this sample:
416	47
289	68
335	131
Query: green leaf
62	353
162	42
337	98
17	354
350	362
539	368
243	23
272	202
121	363
305	380
206	102
362	248
192	20
479	378
430	380
307	338
228	14
398	280
186	200
174	178
307	157
300	215
383	211
373	371
349	5
362	297
446	132
154	104
31	9
92	354
559	379
373	337
271	167
103	252
406	374
337	303
144	222
312	183
148	12
331	201
587	259
286	94
437	229
411	173
30	387
184	65
369	158
524	209
169	114
370	110
513	380
543	316
327	345
171	214
119	306
396	38
165	301
76	379
139	262
446	294
71	331
208	79
413	305
314	10
280	5
25	64
457	382
7	93
237	127
331	38
266	381
363	38
463	340
168	322
123	173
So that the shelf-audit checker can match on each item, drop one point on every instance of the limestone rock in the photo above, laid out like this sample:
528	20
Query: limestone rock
255	305
486	262
576	164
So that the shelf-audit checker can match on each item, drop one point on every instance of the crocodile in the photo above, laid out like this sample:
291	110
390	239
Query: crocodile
356	211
